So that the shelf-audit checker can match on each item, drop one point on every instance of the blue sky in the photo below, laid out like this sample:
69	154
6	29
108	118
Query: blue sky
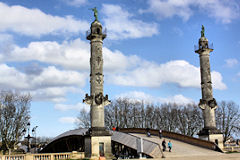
148	53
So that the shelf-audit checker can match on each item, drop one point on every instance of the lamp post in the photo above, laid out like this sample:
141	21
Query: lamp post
28	137
34	132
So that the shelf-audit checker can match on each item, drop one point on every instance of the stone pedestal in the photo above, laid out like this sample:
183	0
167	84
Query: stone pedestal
213	135
98	146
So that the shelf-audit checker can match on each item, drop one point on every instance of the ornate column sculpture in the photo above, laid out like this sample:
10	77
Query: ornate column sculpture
207	103
96	99
98	139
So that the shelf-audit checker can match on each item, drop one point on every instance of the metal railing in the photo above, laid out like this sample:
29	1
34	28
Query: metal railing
146	140
198	47
104	32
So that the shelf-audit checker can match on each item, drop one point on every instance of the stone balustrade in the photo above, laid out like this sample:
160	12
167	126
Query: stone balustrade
44	156
13	157
231	148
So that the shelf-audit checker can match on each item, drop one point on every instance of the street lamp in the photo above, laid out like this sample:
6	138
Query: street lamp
34	132
28	137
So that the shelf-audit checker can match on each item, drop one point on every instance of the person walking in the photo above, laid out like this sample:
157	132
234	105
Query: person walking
113	128
170	146
160	133
164	145
148	132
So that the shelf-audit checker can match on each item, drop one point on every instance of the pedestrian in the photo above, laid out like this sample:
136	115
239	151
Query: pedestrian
113	128
170	146
164	145
148	132
160	133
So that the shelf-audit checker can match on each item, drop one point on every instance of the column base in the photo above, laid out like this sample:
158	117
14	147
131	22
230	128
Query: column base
98	147
213	135
99	131
209	130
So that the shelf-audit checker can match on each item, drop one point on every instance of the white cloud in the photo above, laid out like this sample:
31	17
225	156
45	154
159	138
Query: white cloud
73	55
34	22
141	96
11	76
76	107
55	94
68	120
179	99
231	62
118	68
217	81
222	10
6	43
116	61
170	8
5	37
150	74
76	3
50	84
137	95
121	24
51	76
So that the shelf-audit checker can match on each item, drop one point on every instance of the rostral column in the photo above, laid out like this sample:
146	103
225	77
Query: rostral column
208	104
97	139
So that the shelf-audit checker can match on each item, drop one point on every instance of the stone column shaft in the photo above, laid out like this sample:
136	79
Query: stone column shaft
96	99
96	73
207	103
206	84
96	80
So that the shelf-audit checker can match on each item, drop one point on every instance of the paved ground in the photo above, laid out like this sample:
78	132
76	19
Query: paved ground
184	151
233	156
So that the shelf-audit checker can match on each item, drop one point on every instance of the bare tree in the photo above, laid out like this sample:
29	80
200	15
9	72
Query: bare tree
110	116
228	118
44	139
125	113
158	120
185	119
190	119
136	114
83	119
149	116
14	116
169	117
